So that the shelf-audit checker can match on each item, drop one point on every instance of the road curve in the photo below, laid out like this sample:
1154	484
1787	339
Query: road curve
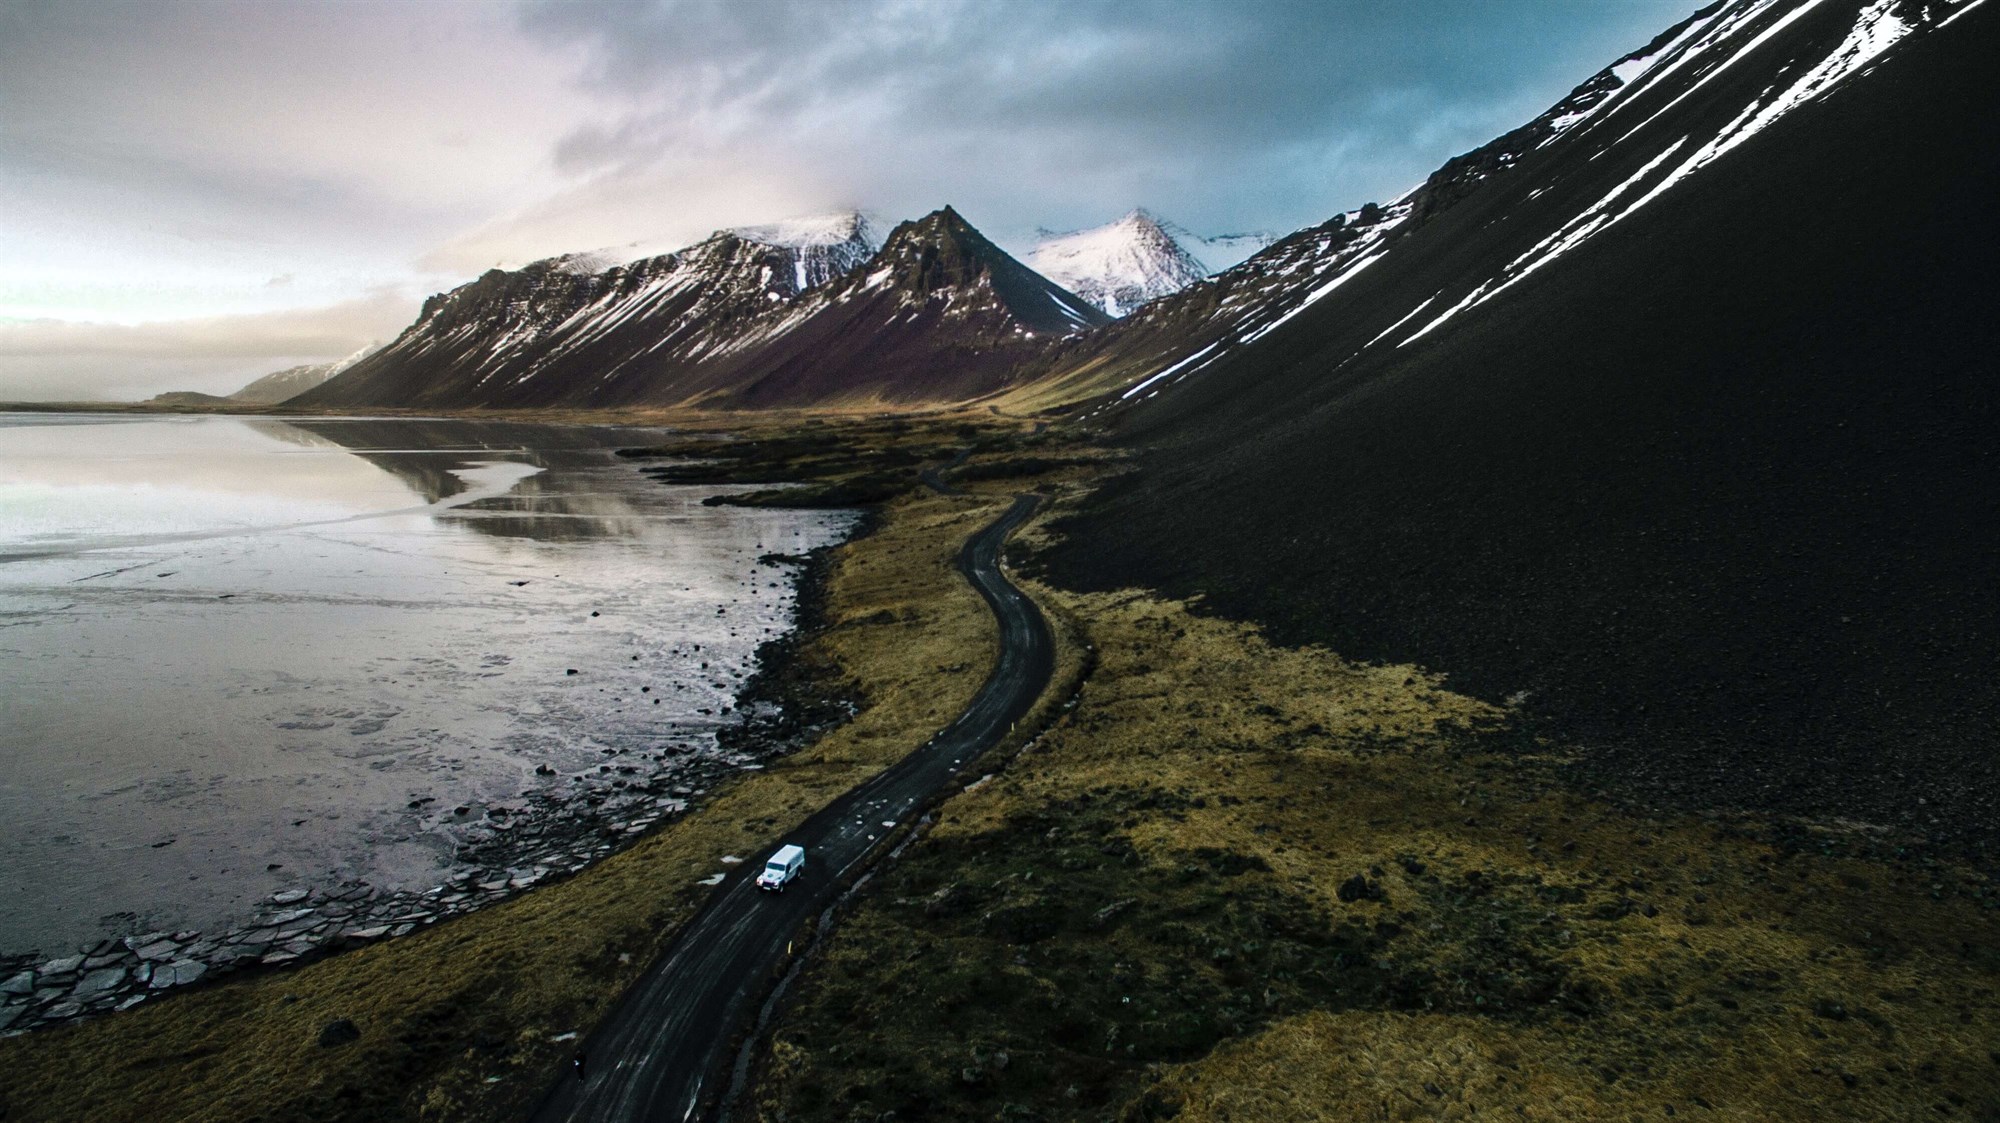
660	1055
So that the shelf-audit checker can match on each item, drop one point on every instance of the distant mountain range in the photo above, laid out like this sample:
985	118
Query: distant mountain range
289	383
764	315
1138	258
812	312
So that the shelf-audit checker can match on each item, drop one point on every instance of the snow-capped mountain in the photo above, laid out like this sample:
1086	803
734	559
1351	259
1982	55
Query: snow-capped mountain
1120	265
1719	77
281	385
826	246
940	314
1670	411
722	323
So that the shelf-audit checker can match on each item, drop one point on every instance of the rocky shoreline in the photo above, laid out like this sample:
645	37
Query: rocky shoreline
509	846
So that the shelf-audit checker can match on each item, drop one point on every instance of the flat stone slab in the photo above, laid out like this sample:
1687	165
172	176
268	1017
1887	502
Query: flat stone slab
165	949
290	896
97	982
178	973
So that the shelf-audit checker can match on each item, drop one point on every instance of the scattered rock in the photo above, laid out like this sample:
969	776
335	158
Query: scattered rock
178	973
1359	888
163	949
98	982
1109	914
339	1032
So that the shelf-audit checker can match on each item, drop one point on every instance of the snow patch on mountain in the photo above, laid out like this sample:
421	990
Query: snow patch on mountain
822	246
1120	265
814	230
1877	27
1222	251
293	381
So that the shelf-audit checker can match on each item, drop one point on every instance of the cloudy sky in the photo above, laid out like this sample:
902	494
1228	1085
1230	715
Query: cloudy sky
193	194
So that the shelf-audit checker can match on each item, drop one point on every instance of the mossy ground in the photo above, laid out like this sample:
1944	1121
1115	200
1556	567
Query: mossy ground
460	1022
1242	882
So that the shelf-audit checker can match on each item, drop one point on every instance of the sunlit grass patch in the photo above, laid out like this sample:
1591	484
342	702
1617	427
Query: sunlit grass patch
1245	882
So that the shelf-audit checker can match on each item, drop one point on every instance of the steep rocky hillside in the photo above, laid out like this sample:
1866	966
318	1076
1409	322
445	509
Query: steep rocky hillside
1669	419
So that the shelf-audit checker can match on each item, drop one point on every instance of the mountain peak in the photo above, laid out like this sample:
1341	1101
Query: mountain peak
1122	264
803	231
942	253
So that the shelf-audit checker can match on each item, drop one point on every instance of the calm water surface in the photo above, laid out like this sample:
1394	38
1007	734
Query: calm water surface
234	651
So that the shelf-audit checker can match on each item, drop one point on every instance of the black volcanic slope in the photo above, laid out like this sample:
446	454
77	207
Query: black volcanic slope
1719	490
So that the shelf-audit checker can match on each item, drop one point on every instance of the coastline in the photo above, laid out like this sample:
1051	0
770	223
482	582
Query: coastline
465	1019
503	847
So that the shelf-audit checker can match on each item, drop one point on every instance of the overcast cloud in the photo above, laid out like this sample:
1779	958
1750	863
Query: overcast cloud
192	194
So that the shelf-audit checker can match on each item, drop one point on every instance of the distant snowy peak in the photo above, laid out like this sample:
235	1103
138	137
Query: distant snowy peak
822	246
1120	265
942	258
1224	251
815	230
293	381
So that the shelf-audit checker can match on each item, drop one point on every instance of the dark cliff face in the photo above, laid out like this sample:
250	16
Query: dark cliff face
1680	435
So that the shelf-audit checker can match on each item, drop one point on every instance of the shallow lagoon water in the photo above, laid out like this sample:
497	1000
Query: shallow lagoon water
235	652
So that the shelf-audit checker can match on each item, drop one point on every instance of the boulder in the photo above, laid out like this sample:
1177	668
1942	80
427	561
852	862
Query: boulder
338	1032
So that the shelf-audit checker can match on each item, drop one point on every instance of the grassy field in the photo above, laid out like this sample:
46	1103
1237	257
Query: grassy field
1243	882
1231	881
466	1021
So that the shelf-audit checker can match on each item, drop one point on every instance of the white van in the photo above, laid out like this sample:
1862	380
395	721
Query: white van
785	865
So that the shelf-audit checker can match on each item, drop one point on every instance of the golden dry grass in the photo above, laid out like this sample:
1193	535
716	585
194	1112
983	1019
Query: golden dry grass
457	1021
1141	915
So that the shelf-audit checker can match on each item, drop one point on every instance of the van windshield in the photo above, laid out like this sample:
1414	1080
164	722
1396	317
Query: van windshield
775	867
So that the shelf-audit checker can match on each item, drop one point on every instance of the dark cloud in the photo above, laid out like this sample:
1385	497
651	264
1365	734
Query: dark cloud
1226	115
168	158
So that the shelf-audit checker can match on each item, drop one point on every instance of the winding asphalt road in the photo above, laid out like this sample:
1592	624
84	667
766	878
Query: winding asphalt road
660	1055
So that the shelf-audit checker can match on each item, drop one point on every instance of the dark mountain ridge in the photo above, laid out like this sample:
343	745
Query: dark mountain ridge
939	313
1680	431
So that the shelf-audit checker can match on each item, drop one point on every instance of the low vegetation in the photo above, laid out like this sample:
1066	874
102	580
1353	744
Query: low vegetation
1227	881
470	1020
1243	882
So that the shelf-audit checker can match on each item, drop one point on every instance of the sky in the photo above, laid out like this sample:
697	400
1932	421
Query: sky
193	194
